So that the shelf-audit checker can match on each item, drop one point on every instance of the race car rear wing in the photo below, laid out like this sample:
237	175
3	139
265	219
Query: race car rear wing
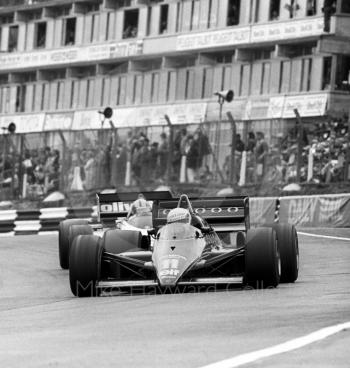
112	206
220	212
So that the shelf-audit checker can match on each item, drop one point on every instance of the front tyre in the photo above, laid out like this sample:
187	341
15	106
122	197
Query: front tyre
85	259
63	240
262	259
287	238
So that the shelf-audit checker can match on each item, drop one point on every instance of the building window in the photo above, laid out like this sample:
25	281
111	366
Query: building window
306	66
292	7
13	38
342	79
345	7
329	8
149	20
178	17
265	78
20	97
233	12
40	35
256	11
154	87
171	86
284	83
45	91
194	14
326	73
69	31
311	7
163	26
108	21
131	21
274	9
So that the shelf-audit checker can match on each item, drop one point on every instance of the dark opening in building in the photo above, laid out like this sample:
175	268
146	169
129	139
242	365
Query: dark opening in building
13	38
69	34
311	7
326	74
345	7
131	21
342	79
40	35
292	8
274	9
233	12
163	26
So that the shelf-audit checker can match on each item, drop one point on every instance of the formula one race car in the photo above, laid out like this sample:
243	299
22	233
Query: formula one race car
112	211
204	241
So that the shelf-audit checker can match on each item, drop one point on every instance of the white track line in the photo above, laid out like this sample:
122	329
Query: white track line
281	348
323	236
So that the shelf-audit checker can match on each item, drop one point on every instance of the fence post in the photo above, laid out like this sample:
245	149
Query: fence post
171	146
63	160
347	161
300	143
233	168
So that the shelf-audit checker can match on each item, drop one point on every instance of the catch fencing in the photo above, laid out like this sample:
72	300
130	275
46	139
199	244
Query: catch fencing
211	153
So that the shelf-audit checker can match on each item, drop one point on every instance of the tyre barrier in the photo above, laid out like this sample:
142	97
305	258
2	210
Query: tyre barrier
23	222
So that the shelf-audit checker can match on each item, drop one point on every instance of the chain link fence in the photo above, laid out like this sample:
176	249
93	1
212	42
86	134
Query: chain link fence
212	153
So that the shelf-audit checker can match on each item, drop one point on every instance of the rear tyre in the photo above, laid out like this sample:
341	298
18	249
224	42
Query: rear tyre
287	238
63	240
85	265
119	241
262	259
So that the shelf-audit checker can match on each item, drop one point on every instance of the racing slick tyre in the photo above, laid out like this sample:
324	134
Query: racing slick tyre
287	238
63	240
119	241
85	265
262	259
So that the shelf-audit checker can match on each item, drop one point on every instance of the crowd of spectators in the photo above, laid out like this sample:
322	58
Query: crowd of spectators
38	170
323	157
137	160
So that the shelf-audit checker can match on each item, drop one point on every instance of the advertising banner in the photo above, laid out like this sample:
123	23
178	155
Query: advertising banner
316	211
61	121
235	36
68	55
284	30
262	210
27	123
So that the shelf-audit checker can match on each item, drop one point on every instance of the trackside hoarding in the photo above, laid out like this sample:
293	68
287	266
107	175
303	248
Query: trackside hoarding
316	211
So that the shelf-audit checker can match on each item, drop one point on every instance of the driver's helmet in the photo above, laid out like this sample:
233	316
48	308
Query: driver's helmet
179	215
141	206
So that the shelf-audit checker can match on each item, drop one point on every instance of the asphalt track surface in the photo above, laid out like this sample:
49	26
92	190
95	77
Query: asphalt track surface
43	325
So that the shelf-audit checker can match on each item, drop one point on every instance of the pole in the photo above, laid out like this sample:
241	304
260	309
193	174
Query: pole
233	169
300	130
347	162
171	146
63	159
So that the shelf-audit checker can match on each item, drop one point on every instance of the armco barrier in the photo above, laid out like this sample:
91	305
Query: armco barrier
262	210
302	211
331	210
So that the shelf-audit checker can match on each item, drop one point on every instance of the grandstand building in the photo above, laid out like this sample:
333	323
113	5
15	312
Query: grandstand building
63	60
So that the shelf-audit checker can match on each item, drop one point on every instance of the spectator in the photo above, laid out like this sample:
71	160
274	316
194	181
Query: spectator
90	171
163	152
193	161
261	152
121	159
329	8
